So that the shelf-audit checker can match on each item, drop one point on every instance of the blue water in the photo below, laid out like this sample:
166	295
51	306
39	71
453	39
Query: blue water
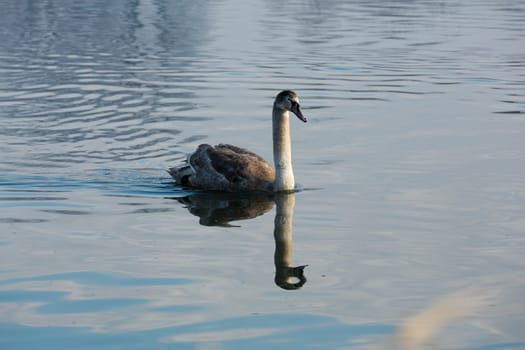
410	215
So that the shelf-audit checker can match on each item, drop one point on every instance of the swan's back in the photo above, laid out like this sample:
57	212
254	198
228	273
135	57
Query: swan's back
226	168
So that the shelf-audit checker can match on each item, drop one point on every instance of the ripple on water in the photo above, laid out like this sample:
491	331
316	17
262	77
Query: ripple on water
415	137
91	105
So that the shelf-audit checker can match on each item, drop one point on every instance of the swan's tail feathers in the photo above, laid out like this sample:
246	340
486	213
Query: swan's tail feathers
181	175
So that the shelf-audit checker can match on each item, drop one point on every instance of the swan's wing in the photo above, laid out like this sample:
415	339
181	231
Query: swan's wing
230	168
238	165
240	152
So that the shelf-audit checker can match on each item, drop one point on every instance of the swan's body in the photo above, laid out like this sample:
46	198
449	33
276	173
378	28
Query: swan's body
234	169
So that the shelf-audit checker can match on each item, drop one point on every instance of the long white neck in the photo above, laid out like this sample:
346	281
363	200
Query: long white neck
282	151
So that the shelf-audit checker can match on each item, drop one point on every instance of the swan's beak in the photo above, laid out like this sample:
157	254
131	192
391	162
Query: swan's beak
296	109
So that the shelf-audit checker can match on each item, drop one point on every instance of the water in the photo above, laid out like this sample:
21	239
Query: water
411	215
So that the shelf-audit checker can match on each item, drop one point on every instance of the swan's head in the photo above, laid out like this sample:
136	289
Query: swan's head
289	101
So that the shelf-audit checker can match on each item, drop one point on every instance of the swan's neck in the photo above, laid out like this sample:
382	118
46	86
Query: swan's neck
282	151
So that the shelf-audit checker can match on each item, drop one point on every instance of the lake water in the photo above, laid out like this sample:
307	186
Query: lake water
411	218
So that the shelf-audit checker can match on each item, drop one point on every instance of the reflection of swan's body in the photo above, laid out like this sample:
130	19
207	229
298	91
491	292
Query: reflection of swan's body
218	209
234	169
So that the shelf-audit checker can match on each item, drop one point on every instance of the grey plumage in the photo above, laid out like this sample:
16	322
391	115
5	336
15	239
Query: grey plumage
225	168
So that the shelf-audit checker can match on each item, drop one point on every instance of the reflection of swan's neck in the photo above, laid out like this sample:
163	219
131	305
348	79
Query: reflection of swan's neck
284	272
282	150
283	230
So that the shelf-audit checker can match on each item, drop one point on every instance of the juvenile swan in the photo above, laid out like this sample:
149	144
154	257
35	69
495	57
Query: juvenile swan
234	169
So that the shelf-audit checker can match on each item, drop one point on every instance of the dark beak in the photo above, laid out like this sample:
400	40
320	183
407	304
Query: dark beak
296	109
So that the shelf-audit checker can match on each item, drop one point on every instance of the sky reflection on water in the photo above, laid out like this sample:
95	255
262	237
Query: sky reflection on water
412	166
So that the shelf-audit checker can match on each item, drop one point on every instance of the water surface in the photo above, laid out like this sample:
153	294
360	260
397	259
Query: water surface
411	166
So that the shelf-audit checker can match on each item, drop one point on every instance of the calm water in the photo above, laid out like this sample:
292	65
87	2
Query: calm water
411	220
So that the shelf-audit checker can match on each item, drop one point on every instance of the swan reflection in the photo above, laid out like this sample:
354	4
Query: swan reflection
219	209
284	272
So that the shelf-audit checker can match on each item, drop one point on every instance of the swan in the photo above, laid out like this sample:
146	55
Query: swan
233	169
